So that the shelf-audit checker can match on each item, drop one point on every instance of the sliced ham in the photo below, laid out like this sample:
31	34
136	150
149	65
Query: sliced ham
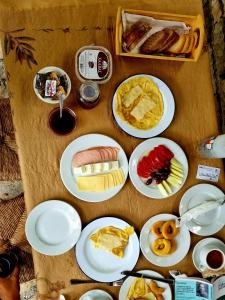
94	155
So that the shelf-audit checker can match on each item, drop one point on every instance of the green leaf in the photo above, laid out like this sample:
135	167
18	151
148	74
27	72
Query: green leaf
27	46
28	62
17	30
7	44
33	60
25	38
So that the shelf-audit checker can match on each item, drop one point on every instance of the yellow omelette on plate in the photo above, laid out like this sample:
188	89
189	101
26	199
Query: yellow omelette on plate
140	103
112	239
140	290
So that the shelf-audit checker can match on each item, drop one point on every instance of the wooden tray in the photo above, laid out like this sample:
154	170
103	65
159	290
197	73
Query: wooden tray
196	22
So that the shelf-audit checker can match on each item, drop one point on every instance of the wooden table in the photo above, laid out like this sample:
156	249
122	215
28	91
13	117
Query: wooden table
59	32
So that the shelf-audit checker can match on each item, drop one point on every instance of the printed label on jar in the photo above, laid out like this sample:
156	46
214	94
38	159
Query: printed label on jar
206	146
93	64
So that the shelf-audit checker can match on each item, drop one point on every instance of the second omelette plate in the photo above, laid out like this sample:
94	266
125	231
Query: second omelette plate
168	113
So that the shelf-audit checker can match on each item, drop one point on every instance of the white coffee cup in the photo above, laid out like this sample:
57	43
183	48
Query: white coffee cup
212	258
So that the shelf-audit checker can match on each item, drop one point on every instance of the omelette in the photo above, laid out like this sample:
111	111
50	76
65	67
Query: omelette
112	239
140	103
140	290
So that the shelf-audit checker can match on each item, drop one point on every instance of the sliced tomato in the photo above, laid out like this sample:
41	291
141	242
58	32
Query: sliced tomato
164	152
143	168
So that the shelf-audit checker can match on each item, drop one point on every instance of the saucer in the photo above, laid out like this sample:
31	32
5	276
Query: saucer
199	246
53	227
96	295
195	196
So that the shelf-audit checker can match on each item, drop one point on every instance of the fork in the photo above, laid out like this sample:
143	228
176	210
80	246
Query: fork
83	281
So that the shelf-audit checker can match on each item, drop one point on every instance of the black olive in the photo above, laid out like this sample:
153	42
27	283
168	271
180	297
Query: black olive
149	181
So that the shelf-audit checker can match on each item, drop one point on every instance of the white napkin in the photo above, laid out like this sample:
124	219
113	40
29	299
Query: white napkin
200	210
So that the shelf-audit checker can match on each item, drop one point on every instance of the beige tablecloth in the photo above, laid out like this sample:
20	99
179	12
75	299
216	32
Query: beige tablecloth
59	30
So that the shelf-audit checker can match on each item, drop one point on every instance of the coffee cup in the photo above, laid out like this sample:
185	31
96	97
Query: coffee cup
8	262
212	258
62	125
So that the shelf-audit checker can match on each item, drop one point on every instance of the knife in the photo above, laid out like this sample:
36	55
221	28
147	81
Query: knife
140	275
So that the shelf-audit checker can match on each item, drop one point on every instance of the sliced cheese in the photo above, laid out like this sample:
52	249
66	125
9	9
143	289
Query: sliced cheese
132	95
96	168
143	106
91	183
100	183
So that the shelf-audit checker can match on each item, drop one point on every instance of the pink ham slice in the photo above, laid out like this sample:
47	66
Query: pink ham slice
94	155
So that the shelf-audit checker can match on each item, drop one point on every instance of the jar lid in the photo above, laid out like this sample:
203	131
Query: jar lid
89	91
93	63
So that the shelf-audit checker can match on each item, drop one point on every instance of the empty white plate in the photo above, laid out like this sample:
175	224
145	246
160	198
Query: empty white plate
210	222
169	108
99	264
82	143
183	241
127	283
96	295
53	227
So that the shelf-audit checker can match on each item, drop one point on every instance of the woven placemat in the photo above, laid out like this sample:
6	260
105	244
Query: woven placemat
9	163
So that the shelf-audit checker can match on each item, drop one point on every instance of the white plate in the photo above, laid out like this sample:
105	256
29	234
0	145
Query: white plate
183	241
169	108
53	227
143	149
194	197
58	71
199	247
127	283
99	264
96	294
82	143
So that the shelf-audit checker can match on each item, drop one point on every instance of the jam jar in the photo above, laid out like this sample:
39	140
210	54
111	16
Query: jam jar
89	94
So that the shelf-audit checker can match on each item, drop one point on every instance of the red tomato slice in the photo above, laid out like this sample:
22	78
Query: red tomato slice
165	152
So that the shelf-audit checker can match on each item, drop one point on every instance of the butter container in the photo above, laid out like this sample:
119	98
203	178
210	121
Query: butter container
195	23
93	63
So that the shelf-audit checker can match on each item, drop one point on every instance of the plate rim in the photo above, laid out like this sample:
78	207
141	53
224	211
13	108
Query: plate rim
199	244
54	250
108	220
118	188
164	215
148	272
161	140
189	190
102	291
143	133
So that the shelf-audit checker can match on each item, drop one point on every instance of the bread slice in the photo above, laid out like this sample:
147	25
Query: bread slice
133	35
186	44
172	39
176	48
192	41
195	34
154	42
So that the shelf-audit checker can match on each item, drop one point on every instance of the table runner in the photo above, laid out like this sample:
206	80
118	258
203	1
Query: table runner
59	29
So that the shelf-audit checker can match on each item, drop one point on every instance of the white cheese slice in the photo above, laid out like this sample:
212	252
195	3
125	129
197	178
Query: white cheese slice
132	95
96	168
143	106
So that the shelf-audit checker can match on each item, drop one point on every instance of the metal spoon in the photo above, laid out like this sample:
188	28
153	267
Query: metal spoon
61	102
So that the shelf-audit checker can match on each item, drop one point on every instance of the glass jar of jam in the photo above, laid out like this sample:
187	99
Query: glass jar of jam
89	94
